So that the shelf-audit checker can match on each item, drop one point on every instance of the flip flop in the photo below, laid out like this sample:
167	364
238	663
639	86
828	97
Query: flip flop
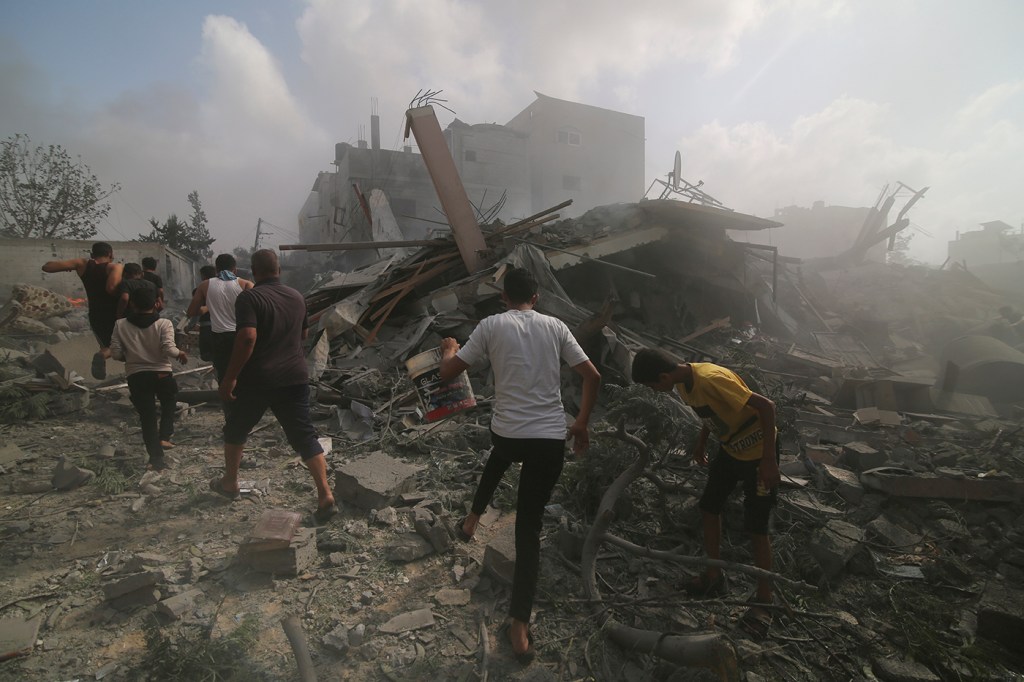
325	514
99	366
216	487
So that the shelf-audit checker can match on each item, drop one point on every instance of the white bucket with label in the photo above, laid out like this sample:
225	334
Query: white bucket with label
440	399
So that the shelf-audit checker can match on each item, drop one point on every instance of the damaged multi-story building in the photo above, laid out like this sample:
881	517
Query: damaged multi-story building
552	150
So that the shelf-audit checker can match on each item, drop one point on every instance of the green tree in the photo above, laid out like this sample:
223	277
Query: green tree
192	238
44	193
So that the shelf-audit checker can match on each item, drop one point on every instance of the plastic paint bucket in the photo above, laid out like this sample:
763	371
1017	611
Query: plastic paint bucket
440	399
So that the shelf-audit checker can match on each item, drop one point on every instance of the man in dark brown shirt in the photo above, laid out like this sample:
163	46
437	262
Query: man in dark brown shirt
268	370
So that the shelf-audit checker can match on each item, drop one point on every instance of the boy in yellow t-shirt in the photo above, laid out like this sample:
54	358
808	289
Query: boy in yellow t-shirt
744	424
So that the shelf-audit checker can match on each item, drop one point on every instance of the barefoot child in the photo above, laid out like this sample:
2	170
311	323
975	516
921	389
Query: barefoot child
145	343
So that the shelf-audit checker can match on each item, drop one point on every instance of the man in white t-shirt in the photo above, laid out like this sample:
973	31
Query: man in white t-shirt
525	349
218	295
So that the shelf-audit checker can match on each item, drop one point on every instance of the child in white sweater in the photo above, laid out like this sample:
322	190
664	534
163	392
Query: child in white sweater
145	343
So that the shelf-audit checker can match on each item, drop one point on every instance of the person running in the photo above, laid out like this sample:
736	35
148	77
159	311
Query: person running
525	349
100	277
218	294
744	424
145	343
267	369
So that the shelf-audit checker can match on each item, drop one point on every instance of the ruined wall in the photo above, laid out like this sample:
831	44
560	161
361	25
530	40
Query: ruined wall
591	155
25	257
491	160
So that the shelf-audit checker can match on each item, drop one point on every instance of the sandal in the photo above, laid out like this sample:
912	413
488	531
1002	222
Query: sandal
702	586
756	622
215	486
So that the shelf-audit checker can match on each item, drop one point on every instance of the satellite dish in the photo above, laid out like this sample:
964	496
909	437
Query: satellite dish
677	169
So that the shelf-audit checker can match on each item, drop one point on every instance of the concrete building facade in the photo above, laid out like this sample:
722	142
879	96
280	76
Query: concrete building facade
994	254
25	258
591	155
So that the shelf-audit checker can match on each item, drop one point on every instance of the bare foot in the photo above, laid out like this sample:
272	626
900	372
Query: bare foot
519	636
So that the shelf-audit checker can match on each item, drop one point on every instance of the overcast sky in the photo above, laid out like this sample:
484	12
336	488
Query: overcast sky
770	103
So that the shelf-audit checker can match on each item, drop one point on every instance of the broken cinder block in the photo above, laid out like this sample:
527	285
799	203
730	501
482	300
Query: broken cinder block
408	547
846	483
374	481
132	583
291	559
861	456
500	554
834	545
173	607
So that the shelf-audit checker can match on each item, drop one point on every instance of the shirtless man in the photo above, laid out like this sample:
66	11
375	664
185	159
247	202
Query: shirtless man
100	277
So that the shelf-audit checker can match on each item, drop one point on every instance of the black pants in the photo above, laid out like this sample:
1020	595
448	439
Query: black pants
223	344
542	460
205	341
145	388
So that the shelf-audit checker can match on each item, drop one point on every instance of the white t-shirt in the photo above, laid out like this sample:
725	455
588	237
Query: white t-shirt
220	301
525	349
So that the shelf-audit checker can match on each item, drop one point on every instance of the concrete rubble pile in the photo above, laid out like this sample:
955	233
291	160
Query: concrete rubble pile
899	528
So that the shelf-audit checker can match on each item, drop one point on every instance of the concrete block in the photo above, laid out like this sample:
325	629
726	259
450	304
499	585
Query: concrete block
500	554
823	454
1001	615
173	607
834	545
861	456
411	620
891	535
408	547
132	583
374	481
846	483
18	636
299	555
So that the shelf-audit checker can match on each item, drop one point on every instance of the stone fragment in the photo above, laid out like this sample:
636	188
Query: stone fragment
435	534
408	547
892	535
500	554
141	597
1001	615
131	583
846	483
68	476
337	639
896	670
387	516
17	636
834	545
452	596
173	607
374	481
861	456
357	635
408	621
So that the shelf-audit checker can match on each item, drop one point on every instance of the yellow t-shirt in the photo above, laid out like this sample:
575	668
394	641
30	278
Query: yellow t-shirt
719	397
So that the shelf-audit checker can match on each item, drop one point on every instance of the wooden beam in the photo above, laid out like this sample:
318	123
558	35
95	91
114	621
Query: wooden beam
351	246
